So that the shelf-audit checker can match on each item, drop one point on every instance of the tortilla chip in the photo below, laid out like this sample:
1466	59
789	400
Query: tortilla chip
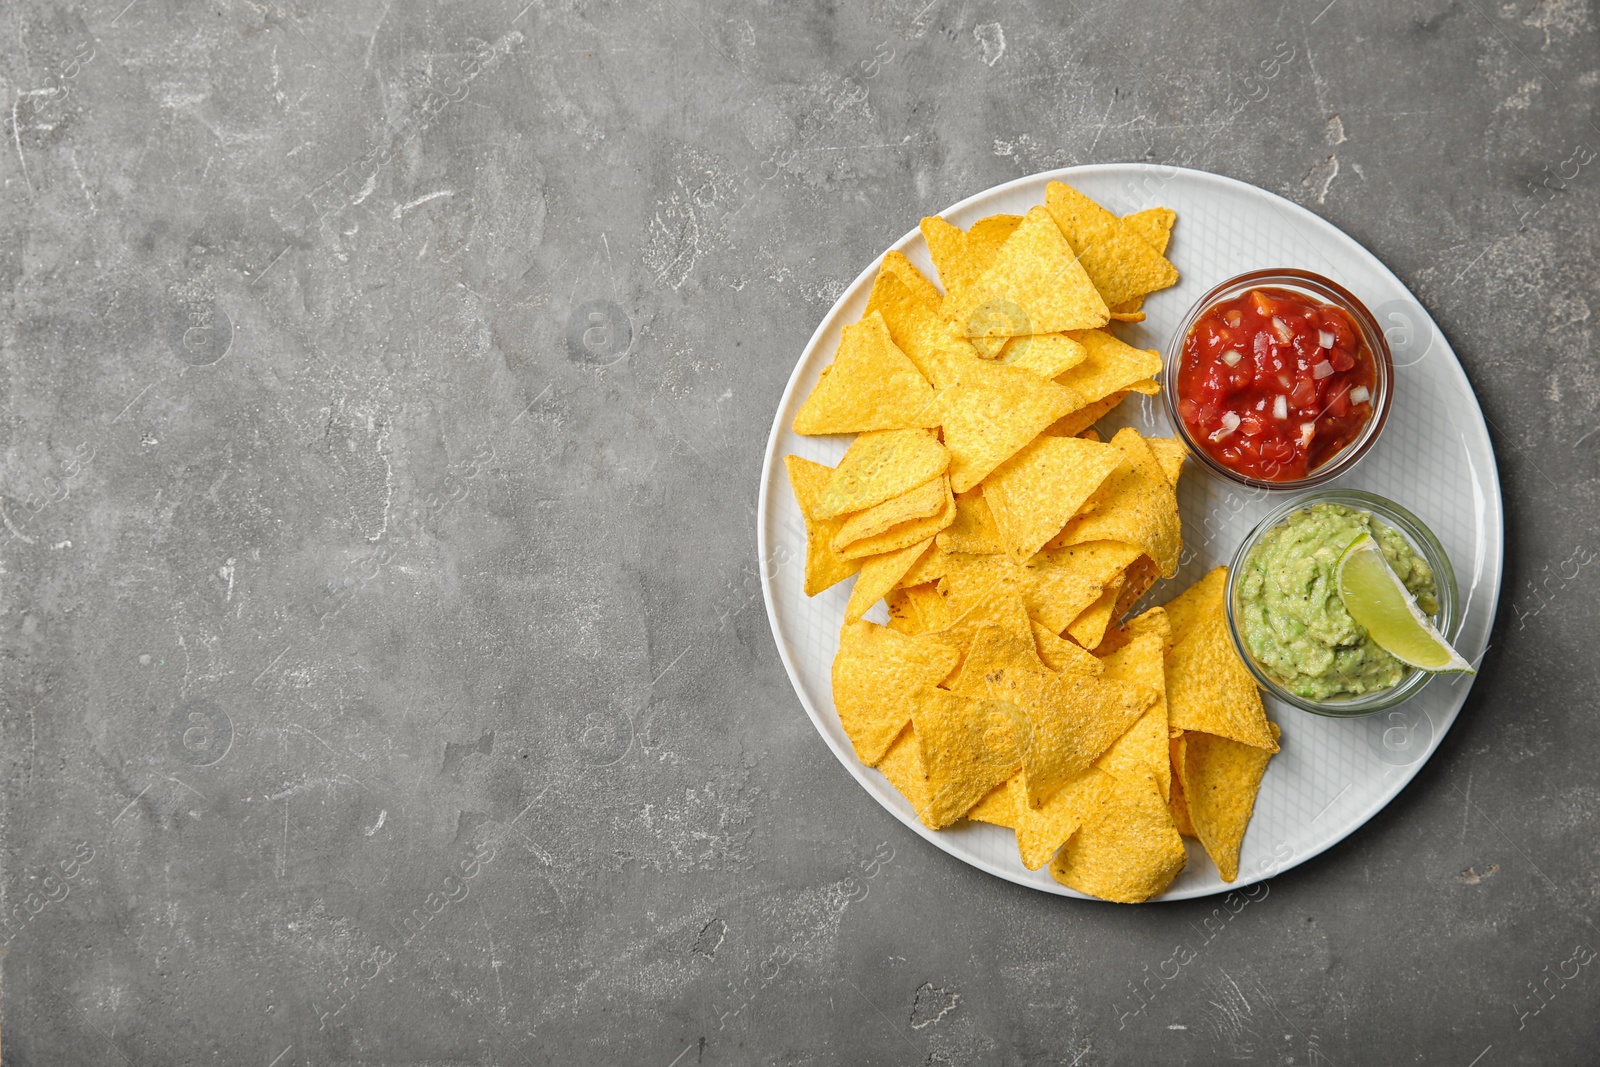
870	385
1110	366
902	765
1139	577
919	503
1043	830
1128	851
1136	505
902	614
1177	803
1120	263
914	324
968	748
973	530
902	534
1060	584
1220	781
1153	225
1127	316
880	466
1074	717
1074	423
1034	493
879	574
986	236
989	413
1196	602
1034	285
1048	355
1091	434
874	673
997	808
1060	654
824	566
895	264
1208	689
1141	661
1170	453
1090	627
916	609
1002	622
1053	586
930	568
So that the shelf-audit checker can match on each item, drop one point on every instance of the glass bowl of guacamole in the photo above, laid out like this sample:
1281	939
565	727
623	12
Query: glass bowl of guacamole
1289	623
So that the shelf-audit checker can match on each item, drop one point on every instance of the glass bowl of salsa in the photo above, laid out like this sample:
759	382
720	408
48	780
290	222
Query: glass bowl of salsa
1279	379
1289	624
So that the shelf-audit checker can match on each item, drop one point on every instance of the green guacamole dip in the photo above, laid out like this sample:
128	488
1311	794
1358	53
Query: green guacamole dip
1291	617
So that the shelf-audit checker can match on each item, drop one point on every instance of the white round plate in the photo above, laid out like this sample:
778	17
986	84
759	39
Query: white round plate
1434	457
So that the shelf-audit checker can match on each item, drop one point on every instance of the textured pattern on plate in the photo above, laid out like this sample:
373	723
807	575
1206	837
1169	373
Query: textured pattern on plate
1434	458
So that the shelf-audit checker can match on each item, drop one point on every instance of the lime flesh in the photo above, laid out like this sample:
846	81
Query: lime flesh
1376	598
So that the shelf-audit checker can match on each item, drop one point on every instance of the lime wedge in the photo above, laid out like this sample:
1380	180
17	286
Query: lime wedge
1377	599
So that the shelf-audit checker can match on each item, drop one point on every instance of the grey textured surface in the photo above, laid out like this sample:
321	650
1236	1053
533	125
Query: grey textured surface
385	676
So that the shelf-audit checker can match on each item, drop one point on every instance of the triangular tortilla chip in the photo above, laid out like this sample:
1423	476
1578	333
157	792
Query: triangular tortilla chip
902	534
1220	781
1073	423
1035	492
1136	505
880	466
1137	579
1061	583
1153	225
902	765
1060	654
1090	626
1049	355
874	673
1197	602
986	236
916	609
1034	285
947	247
973	530
870	385
990	412
930	568
1170	453
1143	749
1128	851
824	566
1177	804
1005	626
919	503
895	264
1043	830
968	748
916	326
1110	366
1120	263
996	809
879	574
1075	717
1208	688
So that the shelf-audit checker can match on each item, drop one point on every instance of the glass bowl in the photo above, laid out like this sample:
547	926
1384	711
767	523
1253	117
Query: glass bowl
1322	290
1448	620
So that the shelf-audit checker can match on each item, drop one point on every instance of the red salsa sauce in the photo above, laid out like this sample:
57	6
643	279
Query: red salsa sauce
1273	384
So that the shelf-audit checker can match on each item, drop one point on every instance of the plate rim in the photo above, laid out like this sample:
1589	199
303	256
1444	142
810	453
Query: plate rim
943	840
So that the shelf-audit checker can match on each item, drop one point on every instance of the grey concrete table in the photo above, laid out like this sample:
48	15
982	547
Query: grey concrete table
385	673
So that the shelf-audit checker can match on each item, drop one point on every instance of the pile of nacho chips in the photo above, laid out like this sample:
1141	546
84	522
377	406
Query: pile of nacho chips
1009	541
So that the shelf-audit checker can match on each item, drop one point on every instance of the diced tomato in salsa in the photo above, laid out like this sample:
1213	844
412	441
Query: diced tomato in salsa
1272	384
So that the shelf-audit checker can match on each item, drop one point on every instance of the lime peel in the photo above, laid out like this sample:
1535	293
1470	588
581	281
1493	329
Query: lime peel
1376	598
